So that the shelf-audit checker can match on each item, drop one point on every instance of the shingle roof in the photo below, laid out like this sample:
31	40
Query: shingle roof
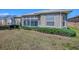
74	19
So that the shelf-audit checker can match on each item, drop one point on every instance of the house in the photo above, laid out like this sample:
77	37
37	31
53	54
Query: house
54	18
7	20
73	21
46	18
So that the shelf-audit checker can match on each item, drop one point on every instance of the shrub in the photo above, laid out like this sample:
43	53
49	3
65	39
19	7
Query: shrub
4	27
63	32
14	27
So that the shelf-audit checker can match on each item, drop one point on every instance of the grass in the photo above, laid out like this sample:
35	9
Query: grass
74	45
32	40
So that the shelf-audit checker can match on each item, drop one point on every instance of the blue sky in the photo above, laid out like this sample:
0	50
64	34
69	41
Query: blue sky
74	12
17	11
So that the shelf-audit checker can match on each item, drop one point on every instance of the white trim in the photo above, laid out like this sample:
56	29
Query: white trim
30	22
22	21
60	20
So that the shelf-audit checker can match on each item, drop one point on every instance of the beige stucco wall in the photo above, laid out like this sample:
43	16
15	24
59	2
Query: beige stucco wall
58	19
2	22
42	21
5	22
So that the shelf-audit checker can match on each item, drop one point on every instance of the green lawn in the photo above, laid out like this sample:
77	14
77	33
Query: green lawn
32	40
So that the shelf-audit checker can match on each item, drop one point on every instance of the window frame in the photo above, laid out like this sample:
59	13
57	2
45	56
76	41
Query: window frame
34	22
49	23
49	17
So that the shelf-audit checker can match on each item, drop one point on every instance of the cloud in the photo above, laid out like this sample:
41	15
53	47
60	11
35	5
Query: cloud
4	14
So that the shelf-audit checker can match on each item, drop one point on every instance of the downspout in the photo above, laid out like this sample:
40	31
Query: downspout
30	21
66	21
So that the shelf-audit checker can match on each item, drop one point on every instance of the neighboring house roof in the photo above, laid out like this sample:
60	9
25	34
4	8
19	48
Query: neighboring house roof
74	19
49	11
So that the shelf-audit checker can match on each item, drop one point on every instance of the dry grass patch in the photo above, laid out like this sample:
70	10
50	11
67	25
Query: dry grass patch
27	40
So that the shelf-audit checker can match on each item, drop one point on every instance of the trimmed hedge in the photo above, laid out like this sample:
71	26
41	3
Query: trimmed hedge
63	32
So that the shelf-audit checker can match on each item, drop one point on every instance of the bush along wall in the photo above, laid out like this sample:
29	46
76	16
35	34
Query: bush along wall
4	27
63	32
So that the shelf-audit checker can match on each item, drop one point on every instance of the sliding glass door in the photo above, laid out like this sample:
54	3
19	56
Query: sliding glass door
34	23
30	22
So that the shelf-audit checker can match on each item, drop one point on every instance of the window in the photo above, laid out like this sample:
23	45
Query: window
24	22
49	17
28	23
50	23
34	23
50	20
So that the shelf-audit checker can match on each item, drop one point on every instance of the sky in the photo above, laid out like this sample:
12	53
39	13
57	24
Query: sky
74	12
